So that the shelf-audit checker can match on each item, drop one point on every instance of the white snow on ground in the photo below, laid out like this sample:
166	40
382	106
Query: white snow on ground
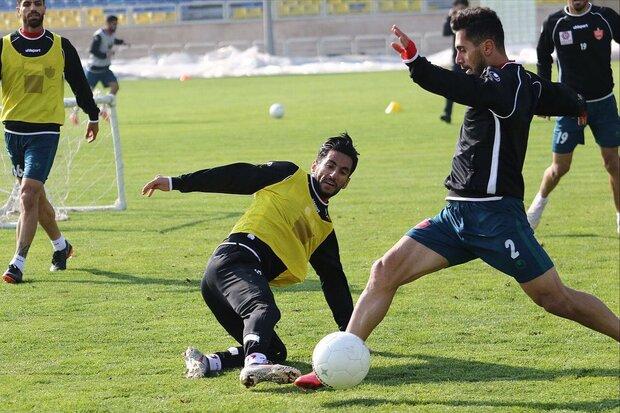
229	61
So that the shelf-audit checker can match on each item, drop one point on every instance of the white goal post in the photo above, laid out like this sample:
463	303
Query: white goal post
85	176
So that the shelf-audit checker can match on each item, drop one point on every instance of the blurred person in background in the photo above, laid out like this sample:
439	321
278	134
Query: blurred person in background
447	31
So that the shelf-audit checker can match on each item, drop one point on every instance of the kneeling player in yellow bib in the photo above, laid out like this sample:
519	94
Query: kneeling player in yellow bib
286	226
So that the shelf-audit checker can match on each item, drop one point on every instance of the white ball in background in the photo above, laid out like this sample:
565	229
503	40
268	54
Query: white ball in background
276	110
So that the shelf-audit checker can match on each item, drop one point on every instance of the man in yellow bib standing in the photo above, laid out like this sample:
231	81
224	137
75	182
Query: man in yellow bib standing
286	226
33	65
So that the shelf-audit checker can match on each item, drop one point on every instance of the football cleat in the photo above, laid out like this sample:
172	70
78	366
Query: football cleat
196	363
59	259
12	275
308	381
253	374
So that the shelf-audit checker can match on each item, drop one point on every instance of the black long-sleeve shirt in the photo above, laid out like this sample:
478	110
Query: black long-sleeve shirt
246	179
493	139
73	72
583	46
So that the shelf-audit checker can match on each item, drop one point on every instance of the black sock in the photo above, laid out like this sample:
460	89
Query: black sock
233	357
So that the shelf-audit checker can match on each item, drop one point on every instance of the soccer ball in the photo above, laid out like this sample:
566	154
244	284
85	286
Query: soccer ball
276	110
341	360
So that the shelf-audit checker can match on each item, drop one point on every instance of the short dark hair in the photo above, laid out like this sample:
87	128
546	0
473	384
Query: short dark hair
111	18
19	2
342	144
464	3
480	24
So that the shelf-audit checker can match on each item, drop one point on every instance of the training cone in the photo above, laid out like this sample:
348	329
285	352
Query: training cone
393	107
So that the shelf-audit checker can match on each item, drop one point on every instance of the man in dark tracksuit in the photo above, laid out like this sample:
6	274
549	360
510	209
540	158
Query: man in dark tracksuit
484	217
581	35
447	31
286	226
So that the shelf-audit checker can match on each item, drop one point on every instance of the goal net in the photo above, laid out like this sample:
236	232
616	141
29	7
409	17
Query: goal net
518	18
85	176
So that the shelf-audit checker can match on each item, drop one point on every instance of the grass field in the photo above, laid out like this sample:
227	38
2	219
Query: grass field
107	334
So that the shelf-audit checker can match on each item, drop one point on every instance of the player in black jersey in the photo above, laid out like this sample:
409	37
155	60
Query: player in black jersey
484	217
34	63
581	34
286	226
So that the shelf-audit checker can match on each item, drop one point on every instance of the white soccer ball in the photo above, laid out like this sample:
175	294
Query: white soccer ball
276	110
341	360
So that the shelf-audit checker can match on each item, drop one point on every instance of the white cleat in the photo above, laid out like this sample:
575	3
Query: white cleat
196	363
275	373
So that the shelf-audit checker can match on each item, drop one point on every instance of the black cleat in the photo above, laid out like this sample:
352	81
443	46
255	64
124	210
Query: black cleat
12	275
446	118
59	259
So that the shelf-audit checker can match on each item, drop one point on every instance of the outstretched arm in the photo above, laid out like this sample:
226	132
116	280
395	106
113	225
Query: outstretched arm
326	262
237	178
459	87
74	74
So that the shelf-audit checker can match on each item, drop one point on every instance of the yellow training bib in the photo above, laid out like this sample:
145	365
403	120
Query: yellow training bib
33	87
283	215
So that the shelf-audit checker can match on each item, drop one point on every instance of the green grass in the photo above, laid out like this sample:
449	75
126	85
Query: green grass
107	335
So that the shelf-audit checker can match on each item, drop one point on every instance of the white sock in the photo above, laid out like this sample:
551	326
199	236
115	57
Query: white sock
618	218
19	262
215	364
59	244
539	200
255	358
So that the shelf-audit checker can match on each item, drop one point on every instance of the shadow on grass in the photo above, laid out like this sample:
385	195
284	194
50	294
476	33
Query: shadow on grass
433	369
121	278
311	284
578	236
212	217
583	406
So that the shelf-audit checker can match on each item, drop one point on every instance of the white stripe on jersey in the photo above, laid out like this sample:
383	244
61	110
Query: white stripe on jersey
608	25
514	106
497	140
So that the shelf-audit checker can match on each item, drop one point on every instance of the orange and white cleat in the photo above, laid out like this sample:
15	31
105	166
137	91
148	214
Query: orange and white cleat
308	381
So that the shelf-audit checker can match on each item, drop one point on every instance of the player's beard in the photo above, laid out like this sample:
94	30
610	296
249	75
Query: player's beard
477	64
580	6
326	195
33	21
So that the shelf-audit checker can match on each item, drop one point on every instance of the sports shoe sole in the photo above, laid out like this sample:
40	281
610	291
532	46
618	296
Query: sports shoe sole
9	279
275	373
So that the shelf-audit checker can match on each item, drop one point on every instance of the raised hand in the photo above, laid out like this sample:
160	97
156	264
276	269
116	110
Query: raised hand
406	48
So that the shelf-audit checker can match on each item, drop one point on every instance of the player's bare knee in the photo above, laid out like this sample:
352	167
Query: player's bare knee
558	170
28	197
381	277
557	304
